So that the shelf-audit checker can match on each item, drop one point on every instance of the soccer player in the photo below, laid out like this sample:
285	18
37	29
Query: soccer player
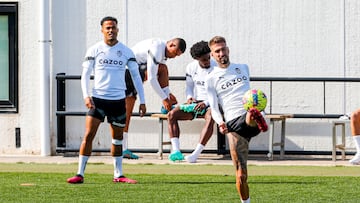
196	72
355	131
226	86
149	54
152	52
107	59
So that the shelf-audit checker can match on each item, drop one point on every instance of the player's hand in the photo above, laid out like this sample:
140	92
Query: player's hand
167	104
222	128
200	106
190	100
142	110
89	103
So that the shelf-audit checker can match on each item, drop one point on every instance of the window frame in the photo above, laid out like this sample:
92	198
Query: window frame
10	9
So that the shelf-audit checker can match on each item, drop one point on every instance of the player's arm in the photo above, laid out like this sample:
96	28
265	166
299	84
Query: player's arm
189	87
88	66
213	102
136	78
152	70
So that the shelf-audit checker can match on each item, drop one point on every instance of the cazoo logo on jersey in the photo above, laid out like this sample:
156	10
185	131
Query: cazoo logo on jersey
233	82
110	62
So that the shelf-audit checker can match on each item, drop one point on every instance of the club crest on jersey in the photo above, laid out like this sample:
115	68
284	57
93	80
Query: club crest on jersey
119	53
238	71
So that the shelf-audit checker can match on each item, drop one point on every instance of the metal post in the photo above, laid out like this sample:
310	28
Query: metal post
61	124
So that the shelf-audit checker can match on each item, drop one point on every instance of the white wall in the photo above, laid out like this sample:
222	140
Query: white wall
300	38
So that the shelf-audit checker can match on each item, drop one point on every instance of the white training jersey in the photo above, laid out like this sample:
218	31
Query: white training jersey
152	52
195	80
226	87
108	63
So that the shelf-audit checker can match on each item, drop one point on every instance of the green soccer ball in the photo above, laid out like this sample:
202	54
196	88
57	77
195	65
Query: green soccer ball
254	98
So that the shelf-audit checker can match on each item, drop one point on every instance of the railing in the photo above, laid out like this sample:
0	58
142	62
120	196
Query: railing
61	112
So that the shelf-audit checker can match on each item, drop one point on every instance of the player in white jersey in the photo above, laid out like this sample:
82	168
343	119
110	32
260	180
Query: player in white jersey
196	72
226	86
107	59
151	53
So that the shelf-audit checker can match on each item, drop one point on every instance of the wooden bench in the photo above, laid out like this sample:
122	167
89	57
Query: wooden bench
342	145
273	118
277	118
161	118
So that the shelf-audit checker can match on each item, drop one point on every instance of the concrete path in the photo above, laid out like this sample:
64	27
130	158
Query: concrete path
147	158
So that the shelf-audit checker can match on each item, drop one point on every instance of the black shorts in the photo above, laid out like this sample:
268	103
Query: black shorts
114	110
130	87
239	126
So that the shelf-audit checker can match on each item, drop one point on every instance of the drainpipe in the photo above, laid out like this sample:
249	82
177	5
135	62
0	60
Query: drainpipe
344	55
126	16
44	47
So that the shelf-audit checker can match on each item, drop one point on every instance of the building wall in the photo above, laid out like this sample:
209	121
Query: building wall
275	38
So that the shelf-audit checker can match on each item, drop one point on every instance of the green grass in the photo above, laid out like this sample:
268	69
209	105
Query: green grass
178	183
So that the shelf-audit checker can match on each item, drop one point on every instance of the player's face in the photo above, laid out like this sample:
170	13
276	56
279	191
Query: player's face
220	52
204	61
172	49
110	32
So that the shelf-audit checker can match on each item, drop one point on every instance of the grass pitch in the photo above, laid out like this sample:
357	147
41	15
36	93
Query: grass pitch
177	183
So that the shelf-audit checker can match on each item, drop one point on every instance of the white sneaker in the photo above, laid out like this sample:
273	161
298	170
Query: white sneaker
355	160
190	159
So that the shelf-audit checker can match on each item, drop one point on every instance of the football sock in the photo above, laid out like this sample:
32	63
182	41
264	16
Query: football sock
357	143
82	164
246	201
125	141
118	166
175	143
198	150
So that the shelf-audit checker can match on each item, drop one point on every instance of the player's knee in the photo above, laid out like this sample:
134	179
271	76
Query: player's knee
172	116
117	149
242	177
89	137
116	142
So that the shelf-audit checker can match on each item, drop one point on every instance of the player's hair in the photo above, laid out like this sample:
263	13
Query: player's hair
199	49
216	40
182	44
108	18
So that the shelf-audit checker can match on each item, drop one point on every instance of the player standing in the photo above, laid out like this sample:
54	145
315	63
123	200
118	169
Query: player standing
226	86
107	59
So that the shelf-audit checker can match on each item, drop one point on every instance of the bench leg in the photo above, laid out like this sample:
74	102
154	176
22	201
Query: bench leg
161	133
342	145
282	141
343	142
334	142
271	141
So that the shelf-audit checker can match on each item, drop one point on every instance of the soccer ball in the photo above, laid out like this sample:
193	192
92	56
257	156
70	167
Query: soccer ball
254	98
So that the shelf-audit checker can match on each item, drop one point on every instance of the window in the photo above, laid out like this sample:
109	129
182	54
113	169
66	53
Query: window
8	58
